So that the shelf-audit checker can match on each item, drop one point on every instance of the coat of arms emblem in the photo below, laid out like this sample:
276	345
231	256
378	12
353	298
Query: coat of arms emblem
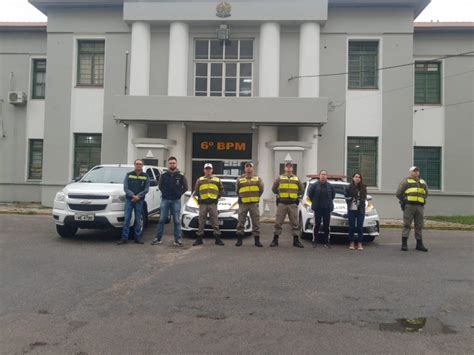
223	9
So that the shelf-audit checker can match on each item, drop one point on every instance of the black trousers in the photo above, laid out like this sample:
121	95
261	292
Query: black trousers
324	215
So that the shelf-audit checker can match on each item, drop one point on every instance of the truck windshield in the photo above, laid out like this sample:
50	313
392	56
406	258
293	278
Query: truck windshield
106	175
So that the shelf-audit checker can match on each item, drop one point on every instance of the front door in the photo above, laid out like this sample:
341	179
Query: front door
227	152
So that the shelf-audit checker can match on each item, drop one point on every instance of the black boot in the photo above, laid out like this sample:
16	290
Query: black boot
404	244
420	246
296	242
218	240
257	241
275	241
239	241
198	241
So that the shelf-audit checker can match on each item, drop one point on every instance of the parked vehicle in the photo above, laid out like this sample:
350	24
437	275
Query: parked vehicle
97	199
339	225
227	206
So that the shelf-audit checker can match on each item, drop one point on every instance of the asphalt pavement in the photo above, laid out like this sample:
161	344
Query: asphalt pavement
87	295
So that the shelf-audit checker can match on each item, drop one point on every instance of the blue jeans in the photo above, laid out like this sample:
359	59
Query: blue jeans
356	217
167	207
138	227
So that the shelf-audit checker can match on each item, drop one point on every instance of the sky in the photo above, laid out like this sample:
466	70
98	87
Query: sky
438	10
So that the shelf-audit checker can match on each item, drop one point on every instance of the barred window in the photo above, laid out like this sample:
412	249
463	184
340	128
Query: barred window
428	159
87	151
90	67
223	68
362	158
427	83
39	79
363	64
35	161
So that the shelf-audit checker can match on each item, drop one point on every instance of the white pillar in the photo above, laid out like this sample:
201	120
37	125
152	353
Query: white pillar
178	84
309	59
178	59
269	60
139	76
310	156
309	87
177	132
266	163
269	86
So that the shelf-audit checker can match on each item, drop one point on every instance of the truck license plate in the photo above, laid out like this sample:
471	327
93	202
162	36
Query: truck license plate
84	217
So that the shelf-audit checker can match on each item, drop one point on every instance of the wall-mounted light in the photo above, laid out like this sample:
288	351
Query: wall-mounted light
223	33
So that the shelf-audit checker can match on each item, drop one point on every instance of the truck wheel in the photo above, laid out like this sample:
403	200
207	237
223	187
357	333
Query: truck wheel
303	234
66	231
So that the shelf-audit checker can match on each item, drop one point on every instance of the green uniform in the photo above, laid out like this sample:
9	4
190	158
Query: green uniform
412	194
208	190
289	190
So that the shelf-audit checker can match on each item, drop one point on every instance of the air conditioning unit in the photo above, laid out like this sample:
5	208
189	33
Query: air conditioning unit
17	97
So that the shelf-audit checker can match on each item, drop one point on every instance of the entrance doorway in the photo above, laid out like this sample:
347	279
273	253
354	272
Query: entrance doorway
227	152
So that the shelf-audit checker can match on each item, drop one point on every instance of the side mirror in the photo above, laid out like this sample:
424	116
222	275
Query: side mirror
187	194
77	178
369	198
153	182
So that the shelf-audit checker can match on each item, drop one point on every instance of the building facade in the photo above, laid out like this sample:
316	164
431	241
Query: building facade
326	84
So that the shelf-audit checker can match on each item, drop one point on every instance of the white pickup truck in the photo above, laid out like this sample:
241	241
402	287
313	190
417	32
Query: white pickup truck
97	199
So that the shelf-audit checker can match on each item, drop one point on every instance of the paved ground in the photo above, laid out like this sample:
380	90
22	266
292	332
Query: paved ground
88	295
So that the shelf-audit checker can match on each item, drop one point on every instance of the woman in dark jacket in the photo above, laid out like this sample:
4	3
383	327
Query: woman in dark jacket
356	194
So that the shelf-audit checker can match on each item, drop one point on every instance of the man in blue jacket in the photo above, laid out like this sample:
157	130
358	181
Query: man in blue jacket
136	186
322	194
173	185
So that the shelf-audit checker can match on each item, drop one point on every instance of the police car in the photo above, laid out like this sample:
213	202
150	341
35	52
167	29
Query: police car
227	206
97	200
339	225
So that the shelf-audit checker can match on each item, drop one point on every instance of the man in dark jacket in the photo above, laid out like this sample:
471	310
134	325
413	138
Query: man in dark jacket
173	185
136	185
322	194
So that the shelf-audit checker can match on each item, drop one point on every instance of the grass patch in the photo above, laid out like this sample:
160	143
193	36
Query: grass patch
469	220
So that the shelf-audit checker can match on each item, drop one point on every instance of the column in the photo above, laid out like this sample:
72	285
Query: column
309	59
310	156
139	76
178	84
269	86
269	60
177	132
309	87
266	163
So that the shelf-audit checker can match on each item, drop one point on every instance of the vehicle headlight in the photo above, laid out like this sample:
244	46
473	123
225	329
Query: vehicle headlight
191	209
118	199
307	204
370	210
235	206
60	197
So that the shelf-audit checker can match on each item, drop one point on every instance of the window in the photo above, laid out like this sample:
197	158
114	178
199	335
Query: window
363	64
87	150
427	83
39	79
428	159
35	160
223	68
90	63
362	158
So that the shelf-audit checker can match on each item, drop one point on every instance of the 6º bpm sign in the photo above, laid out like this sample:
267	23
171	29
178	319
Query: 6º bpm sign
222	146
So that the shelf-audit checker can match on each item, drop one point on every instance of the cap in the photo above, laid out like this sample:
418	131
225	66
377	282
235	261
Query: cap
413	168
208	166
249	163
